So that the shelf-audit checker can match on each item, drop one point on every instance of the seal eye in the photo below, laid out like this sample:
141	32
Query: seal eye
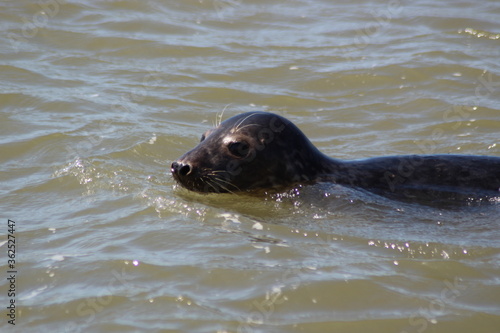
202	137
239	148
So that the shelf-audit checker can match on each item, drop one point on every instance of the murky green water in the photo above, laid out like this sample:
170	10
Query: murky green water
99	97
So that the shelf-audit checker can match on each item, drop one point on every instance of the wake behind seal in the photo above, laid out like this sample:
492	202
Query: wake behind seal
261	150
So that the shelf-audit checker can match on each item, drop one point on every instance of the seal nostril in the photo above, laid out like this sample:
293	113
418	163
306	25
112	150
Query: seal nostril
174	167
180	169
184	170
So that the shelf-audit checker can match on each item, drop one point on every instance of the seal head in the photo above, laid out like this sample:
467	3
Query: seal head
250	151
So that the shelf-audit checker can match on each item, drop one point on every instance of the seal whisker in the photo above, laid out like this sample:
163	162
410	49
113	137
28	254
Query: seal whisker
248	126
217	181
208	181
227	182
237	126
213	172
218	116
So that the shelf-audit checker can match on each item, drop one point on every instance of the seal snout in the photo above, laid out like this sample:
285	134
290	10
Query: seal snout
180	169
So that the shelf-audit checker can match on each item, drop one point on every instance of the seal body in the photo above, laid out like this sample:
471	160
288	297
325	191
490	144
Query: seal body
260	150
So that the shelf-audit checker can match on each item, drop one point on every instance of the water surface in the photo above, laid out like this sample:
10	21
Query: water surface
98	98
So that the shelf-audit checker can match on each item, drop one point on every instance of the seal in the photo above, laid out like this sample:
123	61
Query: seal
261	150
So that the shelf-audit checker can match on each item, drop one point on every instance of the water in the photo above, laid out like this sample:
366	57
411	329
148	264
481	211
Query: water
98	98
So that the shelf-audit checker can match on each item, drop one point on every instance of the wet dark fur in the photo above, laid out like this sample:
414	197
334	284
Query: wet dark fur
259	150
